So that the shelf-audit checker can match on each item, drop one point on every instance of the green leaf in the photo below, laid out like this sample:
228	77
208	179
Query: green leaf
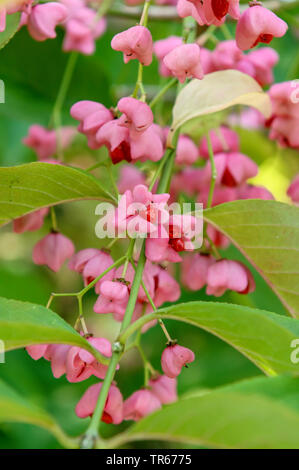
263	337
215	93
14	408
12	26
23	324
267	233
25	188
262	413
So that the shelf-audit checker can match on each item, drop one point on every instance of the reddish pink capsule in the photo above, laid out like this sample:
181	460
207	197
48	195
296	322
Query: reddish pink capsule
162	48
248	191
137	116
113	410
164	388
174	358
229	274
81	364
186	152
257	24
37	351
129	177
184	62
140	404
44	18
30	222
135	43
79	260
233	169
224	139
82	27
195	270
57	355
92	116
53	250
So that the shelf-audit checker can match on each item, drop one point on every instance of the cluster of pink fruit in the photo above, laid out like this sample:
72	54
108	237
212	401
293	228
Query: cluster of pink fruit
78	365
130	135
81	23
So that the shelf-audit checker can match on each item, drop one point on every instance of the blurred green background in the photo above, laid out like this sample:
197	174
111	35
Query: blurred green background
32	73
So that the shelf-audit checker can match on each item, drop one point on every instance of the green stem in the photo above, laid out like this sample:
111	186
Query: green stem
54	220
163	186
162	92
165	179
226	32
214	40
158	13
158	171
81	317
134	289
96	165
213	181
144	15
128	256
148	296
92	283
66	80
91	434
164	329
189	30
148	368
110	245
63	89
137	325
144	288
139	84
213	247
213	171
55	120
50	301
66	441
161	323
118	347
103	9
204	37
188	37
64	294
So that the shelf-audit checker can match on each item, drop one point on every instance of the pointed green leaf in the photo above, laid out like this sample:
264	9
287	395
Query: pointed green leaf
262	413
23	324
25	188
267	233
216	92
264	338
14	408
